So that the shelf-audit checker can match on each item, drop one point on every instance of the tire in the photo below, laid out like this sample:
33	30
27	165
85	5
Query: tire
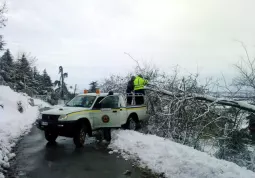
132	124
50	136
80	136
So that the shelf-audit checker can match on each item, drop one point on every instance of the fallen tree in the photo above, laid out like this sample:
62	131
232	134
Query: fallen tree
226	102
183	110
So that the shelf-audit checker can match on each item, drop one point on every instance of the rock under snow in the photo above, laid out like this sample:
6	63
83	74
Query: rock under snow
175	160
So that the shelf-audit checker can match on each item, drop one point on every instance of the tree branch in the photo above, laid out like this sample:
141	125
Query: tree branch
238	104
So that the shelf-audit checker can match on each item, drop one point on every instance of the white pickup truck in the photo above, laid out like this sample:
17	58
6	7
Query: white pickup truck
88	112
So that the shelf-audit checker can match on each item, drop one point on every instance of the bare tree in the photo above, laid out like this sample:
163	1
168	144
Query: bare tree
115	83
3	20
150	72
246	71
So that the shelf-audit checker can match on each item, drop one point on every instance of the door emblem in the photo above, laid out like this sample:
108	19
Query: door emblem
105	119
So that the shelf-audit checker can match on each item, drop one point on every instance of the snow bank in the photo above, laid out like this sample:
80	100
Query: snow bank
13	124
41	103
173	159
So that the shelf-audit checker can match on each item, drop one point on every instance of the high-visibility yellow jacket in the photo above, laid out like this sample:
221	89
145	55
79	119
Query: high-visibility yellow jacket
139	83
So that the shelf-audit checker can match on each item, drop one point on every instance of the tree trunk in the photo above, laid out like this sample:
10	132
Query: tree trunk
62	85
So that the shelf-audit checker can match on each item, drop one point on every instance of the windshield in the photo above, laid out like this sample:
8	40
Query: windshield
82	101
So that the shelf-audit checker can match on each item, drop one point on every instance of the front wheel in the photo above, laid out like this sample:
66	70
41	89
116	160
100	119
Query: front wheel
50	136
80	136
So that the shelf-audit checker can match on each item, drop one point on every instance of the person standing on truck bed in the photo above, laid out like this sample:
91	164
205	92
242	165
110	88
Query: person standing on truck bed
130	89
139	84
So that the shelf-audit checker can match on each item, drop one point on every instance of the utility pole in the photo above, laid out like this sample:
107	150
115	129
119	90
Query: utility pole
75	87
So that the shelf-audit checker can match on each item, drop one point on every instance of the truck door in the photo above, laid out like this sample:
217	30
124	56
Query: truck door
123	112
109	113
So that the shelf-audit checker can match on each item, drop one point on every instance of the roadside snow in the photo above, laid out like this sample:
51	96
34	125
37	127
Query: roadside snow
175	160
41	103
13	124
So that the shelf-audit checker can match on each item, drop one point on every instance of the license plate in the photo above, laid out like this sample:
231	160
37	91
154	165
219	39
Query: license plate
44	123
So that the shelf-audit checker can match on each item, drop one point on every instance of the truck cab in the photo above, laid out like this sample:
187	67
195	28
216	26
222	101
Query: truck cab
89	112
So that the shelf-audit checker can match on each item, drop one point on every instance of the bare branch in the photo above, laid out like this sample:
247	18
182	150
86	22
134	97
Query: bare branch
3	19
137	63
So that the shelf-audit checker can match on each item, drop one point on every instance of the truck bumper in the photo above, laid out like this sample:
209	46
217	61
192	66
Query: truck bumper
65	128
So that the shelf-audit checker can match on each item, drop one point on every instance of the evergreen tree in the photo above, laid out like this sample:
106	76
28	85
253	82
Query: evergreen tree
24	75
21	76
46	82
93	86
6	67
36	81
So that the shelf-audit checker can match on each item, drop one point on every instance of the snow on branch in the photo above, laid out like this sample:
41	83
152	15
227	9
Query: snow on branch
238	104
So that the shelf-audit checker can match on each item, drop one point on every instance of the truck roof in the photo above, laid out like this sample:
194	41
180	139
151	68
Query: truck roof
101	94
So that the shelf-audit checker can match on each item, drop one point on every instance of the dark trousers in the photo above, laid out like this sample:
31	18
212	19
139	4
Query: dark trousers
129	99
107	134
139	99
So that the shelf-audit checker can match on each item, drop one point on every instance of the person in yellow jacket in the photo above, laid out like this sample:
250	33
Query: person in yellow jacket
139	84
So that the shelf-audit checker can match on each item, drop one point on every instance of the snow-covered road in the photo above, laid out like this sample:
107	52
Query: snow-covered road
38	159
158	154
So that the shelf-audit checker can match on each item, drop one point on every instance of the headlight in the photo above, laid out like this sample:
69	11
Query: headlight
40	116
63	117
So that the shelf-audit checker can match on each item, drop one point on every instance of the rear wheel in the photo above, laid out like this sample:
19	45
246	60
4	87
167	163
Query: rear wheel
132	123
80	136
50	136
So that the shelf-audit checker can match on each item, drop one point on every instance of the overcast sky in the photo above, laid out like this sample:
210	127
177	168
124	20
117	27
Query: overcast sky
89	38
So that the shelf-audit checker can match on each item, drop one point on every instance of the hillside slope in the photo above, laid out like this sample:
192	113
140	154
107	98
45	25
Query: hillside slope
13	123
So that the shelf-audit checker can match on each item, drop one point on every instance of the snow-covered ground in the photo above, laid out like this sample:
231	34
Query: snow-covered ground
41	103
173	159
13	124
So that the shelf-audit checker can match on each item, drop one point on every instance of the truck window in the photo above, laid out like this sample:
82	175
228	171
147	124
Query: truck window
97	105
82	101
110	102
